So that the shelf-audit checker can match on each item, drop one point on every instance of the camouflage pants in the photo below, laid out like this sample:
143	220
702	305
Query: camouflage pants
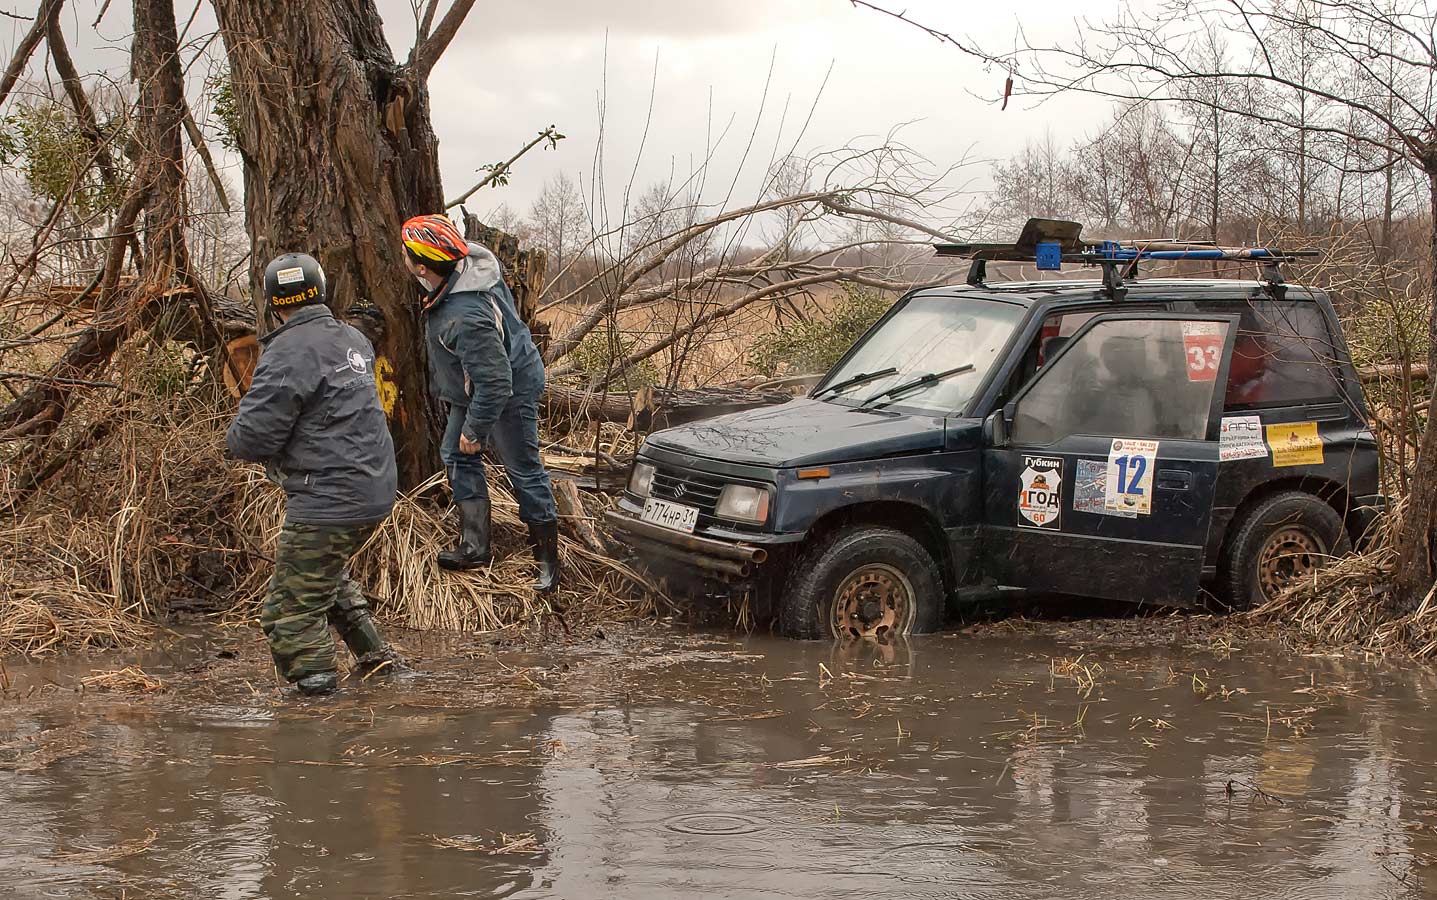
310	590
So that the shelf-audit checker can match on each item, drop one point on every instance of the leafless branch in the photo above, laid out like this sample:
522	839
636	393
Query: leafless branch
425	55
47	11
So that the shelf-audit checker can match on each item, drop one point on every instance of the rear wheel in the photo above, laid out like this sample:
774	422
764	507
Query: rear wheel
1283	539
862	582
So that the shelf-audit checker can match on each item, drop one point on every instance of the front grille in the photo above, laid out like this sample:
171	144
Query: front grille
688	488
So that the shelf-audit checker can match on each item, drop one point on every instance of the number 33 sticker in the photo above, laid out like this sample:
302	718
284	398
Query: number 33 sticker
1129	487
1202	342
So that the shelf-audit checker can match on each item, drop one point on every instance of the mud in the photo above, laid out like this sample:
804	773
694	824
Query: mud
1016	760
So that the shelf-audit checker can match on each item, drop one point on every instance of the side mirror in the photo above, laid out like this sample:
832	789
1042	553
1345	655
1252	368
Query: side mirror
995	429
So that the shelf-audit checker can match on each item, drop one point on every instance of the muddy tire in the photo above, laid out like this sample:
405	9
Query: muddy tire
862	582
1284	537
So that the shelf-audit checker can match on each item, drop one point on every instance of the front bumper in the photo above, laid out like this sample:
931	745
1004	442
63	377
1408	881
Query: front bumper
734	558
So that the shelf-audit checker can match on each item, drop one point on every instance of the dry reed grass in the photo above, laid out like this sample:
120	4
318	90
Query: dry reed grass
1349	603
153	522
397	567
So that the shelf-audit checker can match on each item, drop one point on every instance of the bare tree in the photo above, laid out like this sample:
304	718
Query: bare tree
558	224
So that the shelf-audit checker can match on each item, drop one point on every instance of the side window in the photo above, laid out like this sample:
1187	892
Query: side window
1144	378
1282	356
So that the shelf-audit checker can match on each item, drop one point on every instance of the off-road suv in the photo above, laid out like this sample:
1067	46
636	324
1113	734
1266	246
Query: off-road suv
1156	441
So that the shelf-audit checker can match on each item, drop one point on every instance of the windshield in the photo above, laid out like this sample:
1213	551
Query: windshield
930	336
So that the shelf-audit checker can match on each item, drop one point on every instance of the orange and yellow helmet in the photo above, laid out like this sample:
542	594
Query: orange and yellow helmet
434	238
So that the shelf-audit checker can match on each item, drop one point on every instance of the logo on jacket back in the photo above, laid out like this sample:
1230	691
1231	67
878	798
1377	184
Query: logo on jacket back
355	362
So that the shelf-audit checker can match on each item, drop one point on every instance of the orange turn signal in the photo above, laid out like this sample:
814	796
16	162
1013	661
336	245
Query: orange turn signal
823	472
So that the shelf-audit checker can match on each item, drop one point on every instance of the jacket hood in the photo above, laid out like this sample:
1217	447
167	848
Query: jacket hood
479	271
803	432
298	317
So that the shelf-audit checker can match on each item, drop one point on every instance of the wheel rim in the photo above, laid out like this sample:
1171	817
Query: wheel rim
874	601
1289	554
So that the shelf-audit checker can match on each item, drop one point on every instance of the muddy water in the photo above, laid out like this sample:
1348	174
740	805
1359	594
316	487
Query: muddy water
999	765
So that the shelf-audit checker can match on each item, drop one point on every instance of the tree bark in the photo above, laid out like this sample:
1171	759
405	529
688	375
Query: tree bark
338	151
1414	543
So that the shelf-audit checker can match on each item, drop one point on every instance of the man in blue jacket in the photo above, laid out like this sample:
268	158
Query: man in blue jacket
312	416
490	376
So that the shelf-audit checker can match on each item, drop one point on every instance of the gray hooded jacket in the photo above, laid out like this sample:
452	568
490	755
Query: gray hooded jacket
481	353
312	415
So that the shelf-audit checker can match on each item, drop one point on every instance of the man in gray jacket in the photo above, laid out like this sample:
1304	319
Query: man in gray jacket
312	416
489	374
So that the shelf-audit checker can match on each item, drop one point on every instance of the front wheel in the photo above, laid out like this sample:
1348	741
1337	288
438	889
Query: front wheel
1284	539
862	582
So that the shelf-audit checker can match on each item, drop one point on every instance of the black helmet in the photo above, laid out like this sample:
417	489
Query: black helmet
294	280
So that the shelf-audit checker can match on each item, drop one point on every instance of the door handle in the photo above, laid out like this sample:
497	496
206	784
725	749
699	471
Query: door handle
1174	479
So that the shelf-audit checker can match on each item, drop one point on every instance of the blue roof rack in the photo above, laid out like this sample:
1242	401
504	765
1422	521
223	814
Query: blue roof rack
1051	242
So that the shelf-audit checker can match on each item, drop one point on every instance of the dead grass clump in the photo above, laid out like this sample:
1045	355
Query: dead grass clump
129	680
1349	603
152	522
398	569
138	526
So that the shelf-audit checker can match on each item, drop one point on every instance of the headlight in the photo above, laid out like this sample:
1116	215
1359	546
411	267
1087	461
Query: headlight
743	503
641	479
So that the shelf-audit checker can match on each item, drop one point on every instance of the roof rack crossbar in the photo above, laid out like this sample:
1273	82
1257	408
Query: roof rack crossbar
1051	242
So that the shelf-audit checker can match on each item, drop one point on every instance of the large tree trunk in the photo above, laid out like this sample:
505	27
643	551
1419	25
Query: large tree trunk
338	152
1414	545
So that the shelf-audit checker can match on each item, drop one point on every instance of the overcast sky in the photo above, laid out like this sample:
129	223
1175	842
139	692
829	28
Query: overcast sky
518	67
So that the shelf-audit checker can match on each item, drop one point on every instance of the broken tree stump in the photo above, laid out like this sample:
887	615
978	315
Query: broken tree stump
571	510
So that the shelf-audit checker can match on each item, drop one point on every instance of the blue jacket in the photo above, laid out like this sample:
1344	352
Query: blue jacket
481	353
312	416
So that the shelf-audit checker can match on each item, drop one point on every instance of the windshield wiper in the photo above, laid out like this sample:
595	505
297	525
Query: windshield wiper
860	378
920	381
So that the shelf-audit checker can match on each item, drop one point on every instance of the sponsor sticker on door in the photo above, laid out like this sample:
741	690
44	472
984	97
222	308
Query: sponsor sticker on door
1295	444
1040	496
1241	438
1129	485
1090	487
1202	341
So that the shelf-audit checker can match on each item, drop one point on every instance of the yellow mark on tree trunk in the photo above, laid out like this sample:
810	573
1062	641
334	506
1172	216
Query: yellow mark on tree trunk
384	380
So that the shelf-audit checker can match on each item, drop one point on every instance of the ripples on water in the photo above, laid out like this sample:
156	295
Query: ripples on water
958	767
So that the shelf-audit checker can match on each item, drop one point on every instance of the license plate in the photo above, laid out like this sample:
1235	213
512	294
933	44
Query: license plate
671	515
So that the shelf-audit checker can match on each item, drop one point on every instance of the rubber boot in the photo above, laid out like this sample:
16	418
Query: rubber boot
318	683
473	549
350	617
544	538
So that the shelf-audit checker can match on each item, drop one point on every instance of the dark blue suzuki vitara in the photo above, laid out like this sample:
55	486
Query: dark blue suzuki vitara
1159	441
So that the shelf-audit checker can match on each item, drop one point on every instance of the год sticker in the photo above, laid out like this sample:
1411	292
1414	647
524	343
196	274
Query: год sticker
1040	498
1130	476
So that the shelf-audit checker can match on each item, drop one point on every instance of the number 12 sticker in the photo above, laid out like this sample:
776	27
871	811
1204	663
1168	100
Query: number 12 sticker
1129	486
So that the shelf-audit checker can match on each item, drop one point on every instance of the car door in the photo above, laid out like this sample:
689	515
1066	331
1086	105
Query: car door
1099	476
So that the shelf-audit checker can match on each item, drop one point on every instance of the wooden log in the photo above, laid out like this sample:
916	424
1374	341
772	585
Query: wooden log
571	512
1391	372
